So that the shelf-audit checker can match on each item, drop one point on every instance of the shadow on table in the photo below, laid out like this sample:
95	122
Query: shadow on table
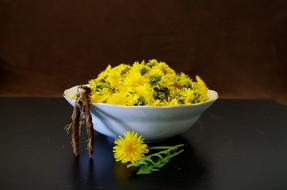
184	171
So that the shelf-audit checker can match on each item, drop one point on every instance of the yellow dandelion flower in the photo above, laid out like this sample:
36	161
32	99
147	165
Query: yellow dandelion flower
123	88
104	74
122	98
145	93
117	98
201	85
129	148
152	62
165	68
187	95
92	84
132	99
114	79
173	102
181	80
155	71
73	96
167	80
100	96
157	103
135	79
140	68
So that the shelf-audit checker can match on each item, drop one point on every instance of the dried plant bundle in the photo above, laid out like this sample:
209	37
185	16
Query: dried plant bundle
81	116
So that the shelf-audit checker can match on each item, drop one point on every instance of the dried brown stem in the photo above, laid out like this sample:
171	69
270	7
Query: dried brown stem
90	132
86	116
75	127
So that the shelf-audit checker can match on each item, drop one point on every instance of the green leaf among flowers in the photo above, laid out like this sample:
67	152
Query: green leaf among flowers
154	162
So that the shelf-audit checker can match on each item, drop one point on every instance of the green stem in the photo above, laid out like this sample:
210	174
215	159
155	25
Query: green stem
178	153
165	147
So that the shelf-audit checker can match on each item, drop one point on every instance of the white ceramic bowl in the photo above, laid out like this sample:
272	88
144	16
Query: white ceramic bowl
152	122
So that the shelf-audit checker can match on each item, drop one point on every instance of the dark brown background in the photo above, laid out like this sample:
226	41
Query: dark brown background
238	47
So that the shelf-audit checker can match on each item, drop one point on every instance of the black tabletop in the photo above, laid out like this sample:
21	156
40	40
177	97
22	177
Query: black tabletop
236	144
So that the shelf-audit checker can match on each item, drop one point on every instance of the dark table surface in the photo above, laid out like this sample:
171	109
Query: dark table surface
236	144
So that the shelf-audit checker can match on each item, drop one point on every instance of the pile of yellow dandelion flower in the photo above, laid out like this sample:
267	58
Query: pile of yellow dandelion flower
129	148
151	83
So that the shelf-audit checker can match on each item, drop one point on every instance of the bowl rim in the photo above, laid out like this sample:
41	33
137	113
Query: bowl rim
212	94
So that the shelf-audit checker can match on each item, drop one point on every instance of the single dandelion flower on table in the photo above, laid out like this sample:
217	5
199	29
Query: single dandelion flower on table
129	148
